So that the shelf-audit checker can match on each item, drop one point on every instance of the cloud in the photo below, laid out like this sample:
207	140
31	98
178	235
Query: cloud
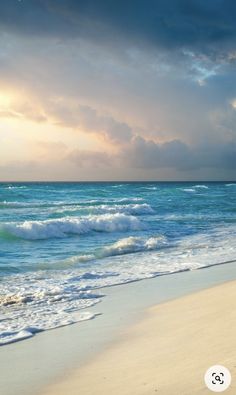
18	170
68	113
90	159
202	26
155	79
88	119
51	150
224	121
176	154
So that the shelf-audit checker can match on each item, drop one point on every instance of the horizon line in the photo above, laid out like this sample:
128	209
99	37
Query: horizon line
109	181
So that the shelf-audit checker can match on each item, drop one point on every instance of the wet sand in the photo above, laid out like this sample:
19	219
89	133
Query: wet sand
167	352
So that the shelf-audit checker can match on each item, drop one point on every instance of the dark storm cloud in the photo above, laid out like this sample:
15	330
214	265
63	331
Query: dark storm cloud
177	154
203	26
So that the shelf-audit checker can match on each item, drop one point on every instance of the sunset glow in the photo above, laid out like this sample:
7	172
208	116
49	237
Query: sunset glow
147	106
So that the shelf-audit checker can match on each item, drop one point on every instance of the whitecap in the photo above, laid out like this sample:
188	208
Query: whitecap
201	186
133	244
46	300
132	209
188	190
123	246
62	227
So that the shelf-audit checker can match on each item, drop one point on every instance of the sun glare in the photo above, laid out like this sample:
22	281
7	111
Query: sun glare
5	100
233	103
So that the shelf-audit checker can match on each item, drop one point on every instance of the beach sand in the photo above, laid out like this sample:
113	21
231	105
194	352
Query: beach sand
167	352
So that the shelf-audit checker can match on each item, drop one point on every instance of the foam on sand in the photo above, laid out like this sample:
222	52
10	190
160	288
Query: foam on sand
7	337
47	299
42	305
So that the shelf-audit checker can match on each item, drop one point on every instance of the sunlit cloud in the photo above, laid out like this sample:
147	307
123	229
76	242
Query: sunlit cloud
135	90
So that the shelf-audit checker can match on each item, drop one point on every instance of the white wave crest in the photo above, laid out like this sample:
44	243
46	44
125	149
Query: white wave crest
123	246
12	204
201	186
188	190
37	301
58	228
17	187
114	200
132	209
133	244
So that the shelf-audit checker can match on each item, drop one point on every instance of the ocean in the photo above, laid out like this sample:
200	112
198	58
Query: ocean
61	244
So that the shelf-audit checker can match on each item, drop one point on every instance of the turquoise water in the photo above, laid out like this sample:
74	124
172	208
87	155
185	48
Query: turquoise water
61	242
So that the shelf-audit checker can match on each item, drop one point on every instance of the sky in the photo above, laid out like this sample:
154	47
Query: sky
117	90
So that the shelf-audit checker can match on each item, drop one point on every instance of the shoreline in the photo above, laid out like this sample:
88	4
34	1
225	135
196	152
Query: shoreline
167	352
39	362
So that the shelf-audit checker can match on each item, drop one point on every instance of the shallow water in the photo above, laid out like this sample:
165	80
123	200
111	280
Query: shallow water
61	242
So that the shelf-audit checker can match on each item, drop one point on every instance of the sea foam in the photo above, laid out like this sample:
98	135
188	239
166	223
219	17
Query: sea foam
120	235
32	304
58	228
128	245
132	209
133	244
39	301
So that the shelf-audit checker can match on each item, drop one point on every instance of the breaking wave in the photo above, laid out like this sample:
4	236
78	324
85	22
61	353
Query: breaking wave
62	227
188	190
128	245
132	209
134	244
201	186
